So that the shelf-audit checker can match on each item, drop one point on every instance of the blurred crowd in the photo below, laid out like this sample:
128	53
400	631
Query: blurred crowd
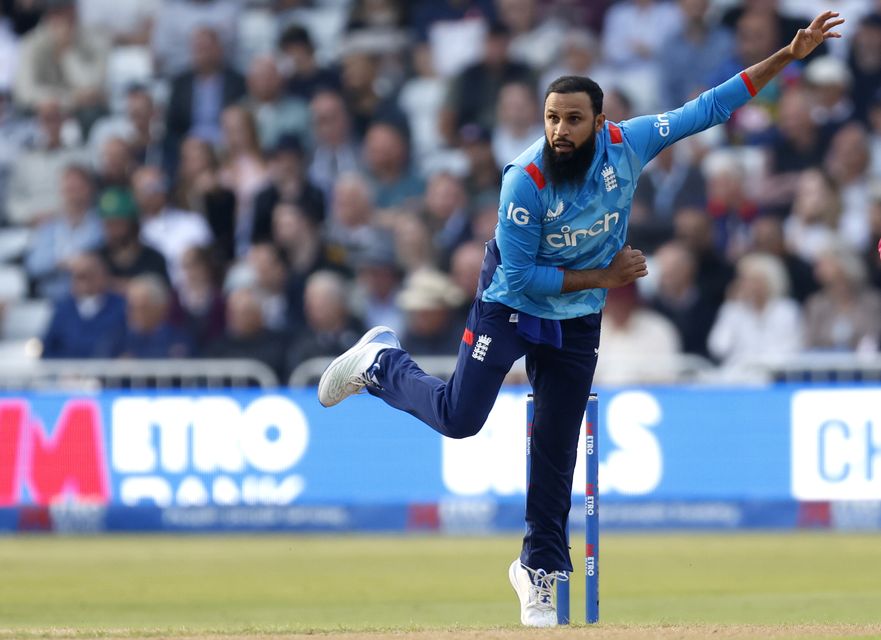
265	179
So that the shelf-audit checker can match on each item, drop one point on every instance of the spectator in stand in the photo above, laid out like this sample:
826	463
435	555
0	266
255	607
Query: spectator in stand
90	322
426	15
381	15
330	323
730	206
198	188
518	122
668	183
484	176
378	281
465	265
199	95
875	137
125	22
430	300
640	345
271	275
845	315
177	22
414	245
386	157
872	255
580	56
864	61
797	143
485	218
756	37
447	215
34	192
301	71
125	256
812	225
421	99
689	57
680	299
534	41
335	150
56	241
13	136
474	91
350	229
368	94
635	31
9	43
139	127
115	164
199	308
694	228
617	105
275	113
170	231
758	319
829	82
298	233
288	183
61	61
150	333
847	161
634	35
768	238
247	336
244	170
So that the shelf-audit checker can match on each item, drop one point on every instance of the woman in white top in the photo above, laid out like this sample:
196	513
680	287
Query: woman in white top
758	319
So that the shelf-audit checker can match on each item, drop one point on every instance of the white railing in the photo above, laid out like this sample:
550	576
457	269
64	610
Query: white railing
684	368
135	374
678	369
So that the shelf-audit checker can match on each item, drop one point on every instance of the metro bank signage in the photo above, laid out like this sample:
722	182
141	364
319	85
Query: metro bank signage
252	449
162	450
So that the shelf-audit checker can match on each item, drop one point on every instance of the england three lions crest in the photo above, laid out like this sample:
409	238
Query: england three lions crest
610	180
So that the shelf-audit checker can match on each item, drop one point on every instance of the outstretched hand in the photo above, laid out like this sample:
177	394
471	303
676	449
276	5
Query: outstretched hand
820	30
627	266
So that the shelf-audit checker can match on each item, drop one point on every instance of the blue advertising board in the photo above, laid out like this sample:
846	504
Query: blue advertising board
703	456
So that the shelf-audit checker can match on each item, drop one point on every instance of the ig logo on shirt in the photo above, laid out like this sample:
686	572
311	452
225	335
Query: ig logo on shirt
519	215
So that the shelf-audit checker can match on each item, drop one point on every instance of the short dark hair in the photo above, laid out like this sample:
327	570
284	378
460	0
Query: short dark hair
578	84
295	35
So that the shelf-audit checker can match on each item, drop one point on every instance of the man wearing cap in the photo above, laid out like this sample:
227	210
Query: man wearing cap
559	246
124	255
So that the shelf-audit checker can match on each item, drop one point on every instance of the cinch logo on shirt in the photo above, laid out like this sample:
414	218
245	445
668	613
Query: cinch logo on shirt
663	125
569	237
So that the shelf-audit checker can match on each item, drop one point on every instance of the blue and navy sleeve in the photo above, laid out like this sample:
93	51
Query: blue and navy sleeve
649	135
518	236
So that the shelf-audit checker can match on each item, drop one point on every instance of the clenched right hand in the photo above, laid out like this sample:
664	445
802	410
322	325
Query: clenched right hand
627	266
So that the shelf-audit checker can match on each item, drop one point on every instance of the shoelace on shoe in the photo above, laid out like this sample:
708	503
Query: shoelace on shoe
366	378
541	591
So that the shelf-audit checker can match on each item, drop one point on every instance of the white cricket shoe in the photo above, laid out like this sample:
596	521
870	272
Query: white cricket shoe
351	372
535	589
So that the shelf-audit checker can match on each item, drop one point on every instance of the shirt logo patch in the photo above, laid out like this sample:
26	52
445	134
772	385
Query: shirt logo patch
481	347
556	213
609	178
518	215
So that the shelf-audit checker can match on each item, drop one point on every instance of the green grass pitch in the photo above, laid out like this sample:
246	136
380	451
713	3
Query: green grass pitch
288	583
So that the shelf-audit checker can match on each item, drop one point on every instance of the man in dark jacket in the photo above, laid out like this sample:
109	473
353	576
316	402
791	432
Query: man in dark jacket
89	323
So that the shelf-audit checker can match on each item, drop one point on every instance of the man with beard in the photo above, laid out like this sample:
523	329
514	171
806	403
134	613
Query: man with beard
559	246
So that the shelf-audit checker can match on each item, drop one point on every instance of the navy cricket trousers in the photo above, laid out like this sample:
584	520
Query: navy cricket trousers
561	381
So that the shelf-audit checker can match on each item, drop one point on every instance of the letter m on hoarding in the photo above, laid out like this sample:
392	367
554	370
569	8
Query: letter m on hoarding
69	463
